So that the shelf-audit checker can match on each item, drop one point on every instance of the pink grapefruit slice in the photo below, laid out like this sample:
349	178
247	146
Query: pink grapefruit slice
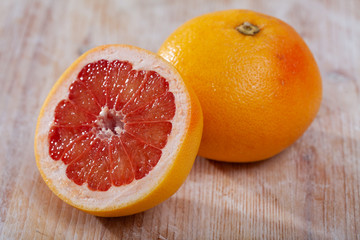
118	133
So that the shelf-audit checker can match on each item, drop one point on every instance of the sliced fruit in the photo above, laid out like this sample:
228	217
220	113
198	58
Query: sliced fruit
118	133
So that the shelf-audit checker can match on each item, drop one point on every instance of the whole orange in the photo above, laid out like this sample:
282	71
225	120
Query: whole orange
257	81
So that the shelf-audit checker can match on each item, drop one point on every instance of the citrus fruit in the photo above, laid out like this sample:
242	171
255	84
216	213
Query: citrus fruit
118	132
257	82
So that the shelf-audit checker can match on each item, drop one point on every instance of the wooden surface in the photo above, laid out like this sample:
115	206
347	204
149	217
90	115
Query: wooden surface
309	191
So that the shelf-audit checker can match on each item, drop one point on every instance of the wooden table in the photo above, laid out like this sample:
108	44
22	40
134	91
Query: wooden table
309	191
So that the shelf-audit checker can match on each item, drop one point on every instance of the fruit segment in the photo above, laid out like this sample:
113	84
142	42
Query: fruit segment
77	147
99	176
128	88
62	137
83	98
143	156
121	169
114	123
154	86
160	109
94	76
67	114
152	133
119	71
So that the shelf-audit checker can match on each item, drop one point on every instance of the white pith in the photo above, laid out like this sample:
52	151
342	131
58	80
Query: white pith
124	195
104	132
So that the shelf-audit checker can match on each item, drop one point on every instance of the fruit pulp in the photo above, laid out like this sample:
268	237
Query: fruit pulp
114	123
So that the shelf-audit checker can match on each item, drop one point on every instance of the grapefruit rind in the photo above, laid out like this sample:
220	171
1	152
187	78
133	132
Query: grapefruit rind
258	93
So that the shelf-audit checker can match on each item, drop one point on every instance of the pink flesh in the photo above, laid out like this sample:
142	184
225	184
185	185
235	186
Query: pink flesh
123	142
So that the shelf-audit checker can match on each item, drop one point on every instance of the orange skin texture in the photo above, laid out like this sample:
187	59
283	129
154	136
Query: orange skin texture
258	93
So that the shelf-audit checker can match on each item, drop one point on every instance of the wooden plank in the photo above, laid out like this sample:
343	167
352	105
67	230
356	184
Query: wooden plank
311	190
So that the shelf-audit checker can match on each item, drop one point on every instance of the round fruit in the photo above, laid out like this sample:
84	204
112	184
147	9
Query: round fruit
118	133
257	82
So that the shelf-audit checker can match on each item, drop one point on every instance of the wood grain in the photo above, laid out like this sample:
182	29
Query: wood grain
309	191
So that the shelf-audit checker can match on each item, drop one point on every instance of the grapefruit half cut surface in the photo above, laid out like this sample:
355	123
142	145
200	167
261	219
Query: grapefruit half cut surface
118	133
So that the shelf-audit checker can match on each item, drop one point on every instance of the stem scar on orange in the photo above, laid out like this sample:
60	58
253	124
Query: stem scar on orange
257	82
118	133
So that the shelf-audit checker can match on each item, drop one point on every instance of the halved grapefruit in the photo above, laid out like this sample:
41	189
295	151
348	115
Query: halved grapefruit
118	133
